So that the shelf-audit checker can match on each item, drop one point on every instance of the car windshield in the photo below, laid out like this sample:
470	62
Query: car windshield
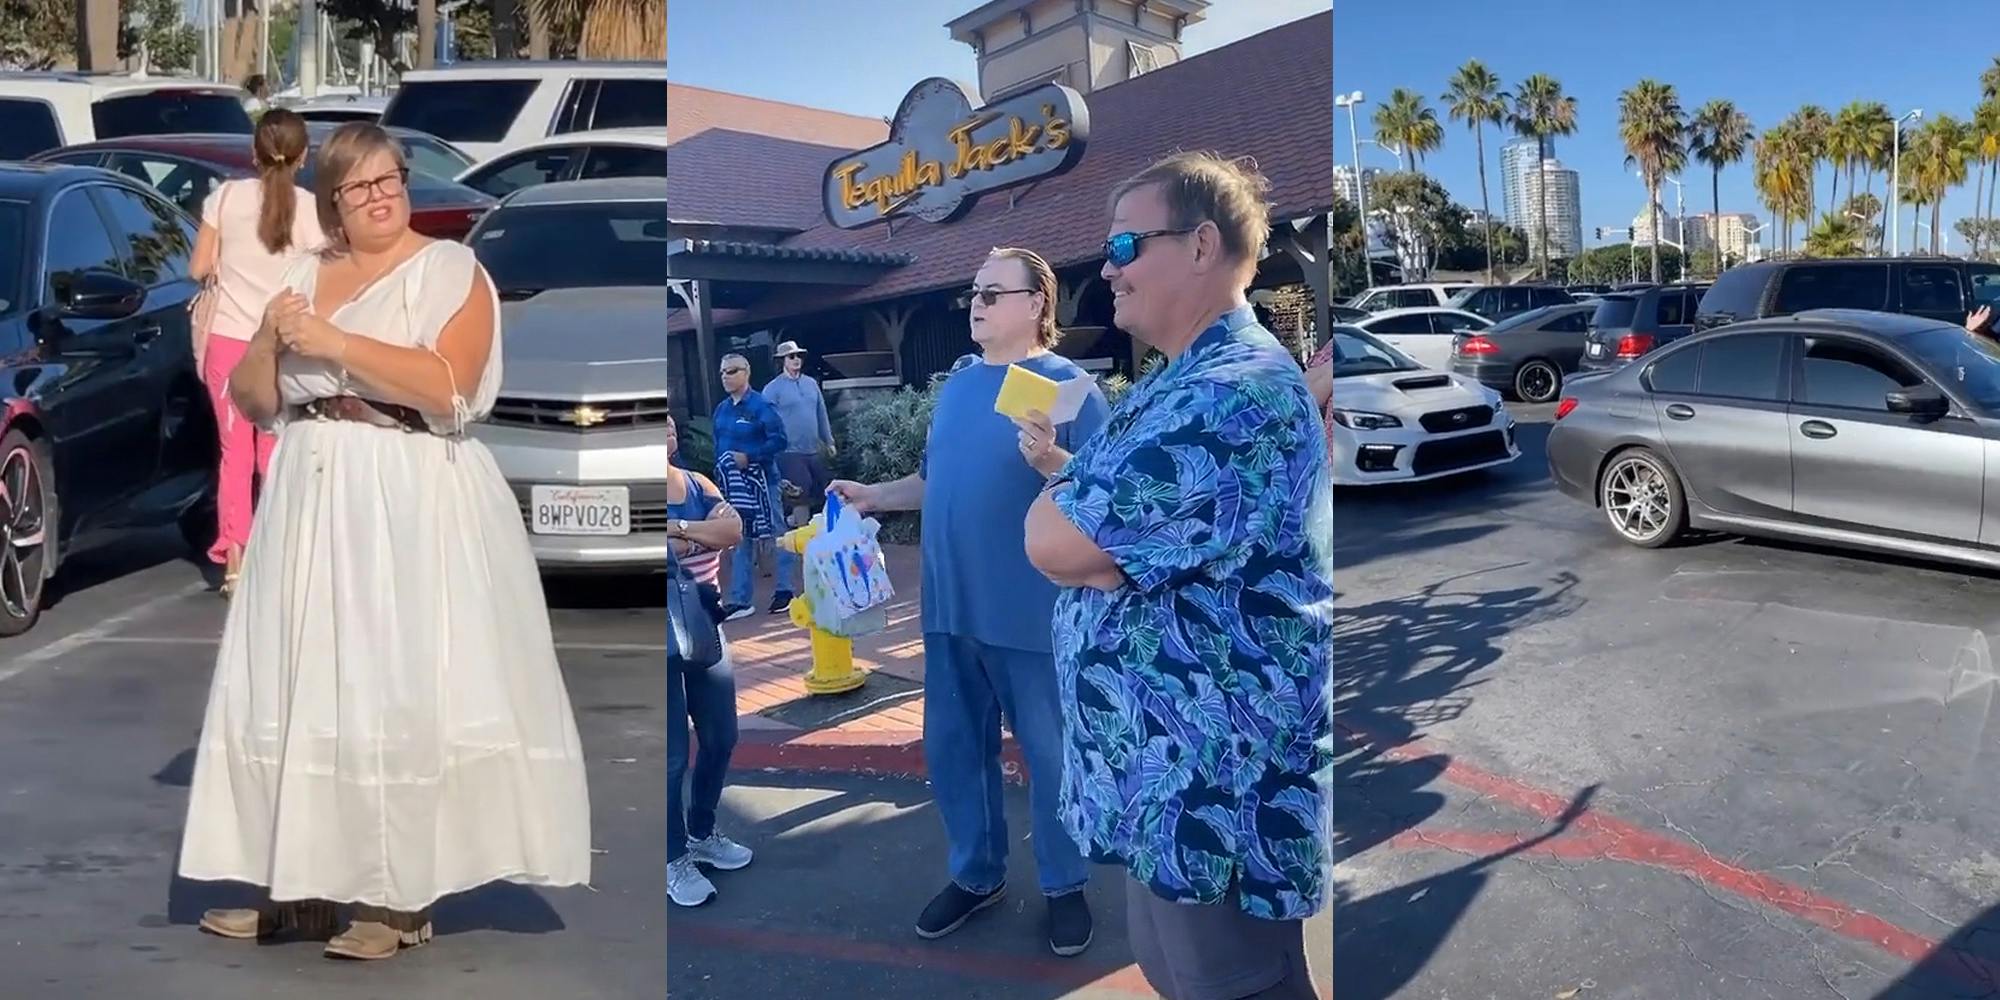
1357	352
1615	311
609	244
1968	364
433	157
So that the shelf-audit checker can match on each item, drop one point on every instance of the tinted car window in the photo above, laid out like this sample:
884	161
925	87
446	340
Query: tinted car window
1833	286
602	245
184	184
1985	283
1736	295
27	128
631	104
1673	308
1676	372
624	161
1742	367
1414	298
78	241
1932	288
1850	375
1412	323
432	157
13	243
156	237
164	112
460	110
1570	322
526	169
1514	299
1614	311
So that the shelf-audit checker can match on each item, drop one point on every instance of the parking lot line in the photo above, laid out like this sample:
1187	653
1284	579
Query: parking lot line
1595	836
17	665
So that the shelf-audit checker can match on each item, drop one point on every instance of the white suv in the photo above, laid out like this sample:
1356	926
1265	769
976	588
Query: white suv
1430	294
489	108
44	111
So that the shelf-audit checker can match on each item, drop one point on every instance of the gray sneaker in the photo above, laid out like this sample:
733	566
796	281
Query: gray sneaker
718	851
686	885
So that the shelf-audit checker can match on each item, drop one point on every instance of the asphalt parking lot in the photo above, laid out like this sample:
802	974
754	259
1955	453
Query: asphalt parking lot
99	709
1574	768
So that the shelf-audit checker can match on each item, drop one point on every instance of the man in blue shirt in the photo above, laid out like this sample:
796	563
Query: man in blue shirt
986	612
749	437
1193	537
808	432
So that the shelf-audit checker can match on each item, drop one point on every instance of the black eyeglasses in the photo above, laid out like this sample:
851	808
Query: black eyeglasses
991	295
1123	248
361	193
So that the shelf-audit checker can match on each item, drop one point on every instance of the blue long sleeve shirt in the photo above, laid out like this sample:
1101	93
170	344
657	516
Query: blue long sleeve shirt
752	427
803	408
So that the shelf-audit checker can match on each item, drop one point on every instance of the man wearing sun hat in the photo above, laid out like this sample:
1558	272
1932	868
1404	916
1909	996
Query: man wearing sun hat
808	433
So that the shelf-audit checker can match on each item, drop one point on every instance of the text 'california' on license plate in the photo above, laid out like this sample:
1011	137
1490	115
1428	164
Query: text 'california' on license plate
580	510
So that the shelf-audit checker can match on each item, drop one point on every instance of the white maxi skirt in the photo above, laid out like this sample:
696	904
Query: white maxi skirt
387	723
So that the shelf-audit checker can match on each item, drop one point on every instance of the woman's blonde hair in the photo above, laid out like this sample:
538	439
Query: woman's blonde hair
1042	278
345	149
278	149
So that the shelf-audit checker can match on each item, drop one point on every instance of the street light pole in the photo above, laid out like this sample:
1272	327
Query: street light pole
1350	102
1895	177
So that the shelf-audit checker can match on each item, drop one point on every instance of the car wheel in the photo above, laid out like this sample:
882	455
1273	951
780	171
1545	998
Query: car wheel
1642	498
27	531
1537	382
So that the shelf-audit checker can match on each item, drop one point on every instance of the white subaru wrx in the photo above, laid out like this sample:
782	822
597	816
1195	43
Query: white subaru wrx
1396	421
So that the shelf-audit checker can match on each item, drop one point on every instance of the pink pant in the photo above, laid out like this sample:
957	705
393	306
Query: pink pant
246	451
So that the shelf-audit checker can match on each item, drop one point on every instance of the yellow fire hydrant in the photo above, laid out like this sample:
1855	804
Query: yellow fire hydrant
832	655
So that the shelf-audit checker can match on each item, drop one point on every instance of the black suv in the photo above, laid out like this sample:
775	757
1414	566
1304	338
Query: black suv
1628	325
1932	287
104	424
1497	302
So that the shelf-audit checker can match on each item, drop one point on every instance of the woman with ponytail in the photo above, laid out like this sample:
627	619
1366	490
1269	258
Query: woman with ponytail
251	231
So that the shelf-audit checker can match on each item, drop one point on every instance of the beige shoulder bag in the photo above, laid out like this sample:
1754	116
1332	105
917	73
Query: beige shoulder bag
201	308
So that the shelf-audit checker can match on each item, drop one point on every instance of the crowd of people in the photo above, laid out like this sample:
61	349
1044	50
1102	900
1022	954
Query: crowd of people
1142	594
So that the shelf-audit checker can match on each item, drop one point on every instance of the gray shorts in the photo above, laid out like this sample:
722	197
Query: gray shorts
809	473
1215	952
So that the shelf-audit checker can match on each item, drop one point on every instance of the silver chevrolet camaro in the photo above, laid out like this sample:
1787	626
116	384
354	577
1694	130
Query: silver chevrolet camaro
579	426
1840	427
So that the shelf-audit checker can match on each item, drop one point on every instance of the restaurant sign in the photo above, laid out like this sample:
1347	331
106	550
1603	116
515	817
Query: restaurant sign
942	154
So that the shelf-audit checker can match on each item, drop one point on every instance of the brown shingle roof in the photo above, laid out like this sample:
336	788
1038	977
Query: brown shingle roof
743	160
1267	96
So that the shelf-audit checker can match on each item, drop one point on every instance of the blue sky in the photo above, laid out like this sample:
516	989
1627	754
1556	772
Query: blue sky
1769	56
862	56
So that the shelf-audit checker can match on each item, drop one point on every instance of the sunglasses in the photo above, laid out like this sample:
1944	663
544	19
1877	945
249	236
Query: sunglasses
1123	248
734	371
991	295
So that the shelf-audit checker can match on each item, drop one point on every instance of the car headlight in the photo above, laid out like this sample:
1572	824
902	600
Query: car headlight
1363	420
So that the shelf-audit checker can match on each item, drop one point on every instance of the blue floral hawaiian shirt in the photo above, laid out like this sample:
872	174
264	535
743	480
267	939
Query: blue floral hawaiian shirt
1195	697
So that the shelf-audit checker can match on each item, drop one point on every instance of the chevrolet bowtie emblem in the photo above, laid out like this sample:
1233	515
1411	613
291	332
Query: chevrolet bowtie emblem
587	416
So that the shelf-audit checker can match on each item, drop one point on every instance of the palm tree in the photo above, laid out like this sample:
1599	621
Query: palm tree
1654	130
1406	122
1938	162
1718	136
1542	111
611	29
427	28
1835	236
1985	134
1781	166
1814	126
97	35
1476	99
1843	143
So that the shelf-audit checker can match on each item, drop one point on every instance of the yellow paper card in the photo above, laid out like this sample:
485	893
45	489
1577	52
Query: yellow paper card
1023	390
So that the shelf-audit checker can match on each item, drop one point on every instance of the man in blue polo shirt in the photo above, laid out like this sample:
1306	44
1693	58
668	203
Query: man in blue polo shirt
749	437
986	612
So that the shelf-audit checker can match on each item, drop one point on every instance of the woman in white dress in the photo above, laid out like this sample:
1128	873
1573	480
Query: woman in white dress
387	724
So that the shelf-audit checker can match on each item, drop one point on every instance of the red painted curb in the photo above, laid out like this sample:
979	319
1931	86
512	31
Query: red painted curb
846	753
1596	836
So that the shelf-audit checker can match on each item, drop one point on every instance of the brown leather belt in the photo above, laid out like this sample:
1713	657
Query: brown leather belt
366	411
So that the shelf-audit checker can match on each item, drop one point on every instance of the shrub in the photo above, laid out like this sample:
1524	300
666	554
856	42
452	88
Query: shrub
697	447
882	439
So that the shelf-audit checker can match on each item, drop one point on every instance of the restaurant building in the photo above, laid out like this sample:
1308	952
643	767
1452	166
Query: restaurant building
857	237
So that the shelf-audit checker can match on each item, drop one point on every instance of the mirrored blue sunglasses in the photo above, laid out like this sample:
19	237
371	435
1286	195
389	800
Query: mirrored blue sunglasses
1123	248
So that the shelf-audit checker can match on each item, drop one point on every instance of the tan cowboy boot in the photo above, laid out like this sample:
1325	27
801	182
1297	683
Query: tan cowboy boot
377	933
306	918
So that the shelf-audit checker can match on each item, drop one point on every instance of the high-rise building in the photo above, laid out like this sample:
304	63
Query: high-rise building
1517	172
1344	186
1731	231
1565	210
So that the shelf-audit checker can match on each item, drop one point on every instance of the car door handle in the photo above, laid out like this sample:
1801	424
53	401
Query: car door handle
146	336
1680	411
1817	429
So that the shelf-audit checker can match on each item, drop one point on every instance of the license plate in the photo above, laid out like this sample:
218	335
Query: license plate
580	510
1597	350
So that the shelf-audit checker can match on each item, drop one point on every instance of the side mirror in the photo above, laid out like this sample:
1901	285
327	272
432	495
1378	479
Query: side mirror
1919	401
98	295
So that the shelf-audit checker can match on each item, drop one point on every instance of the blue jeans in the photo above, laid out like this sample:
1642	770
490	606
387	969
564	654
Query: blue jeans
743	573
968	687
707	699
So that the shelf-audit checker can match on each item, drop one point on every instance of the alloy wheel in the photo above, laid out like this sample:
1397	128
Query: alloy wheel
23	533
1637	501
1537	382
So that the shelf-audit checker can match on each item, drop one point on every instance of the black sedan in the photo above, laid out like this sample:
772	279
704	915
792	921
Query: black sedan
1838	427
104	424
1526	356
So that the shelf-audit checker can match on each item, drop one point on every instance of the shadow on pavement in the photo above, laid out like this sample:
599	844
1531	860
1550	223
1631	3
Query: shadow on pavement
127	554
1967	964
1400	665
605	592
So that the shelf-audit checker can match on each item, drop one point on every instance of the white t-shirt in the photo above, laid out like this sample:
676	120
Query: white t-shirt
248	275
